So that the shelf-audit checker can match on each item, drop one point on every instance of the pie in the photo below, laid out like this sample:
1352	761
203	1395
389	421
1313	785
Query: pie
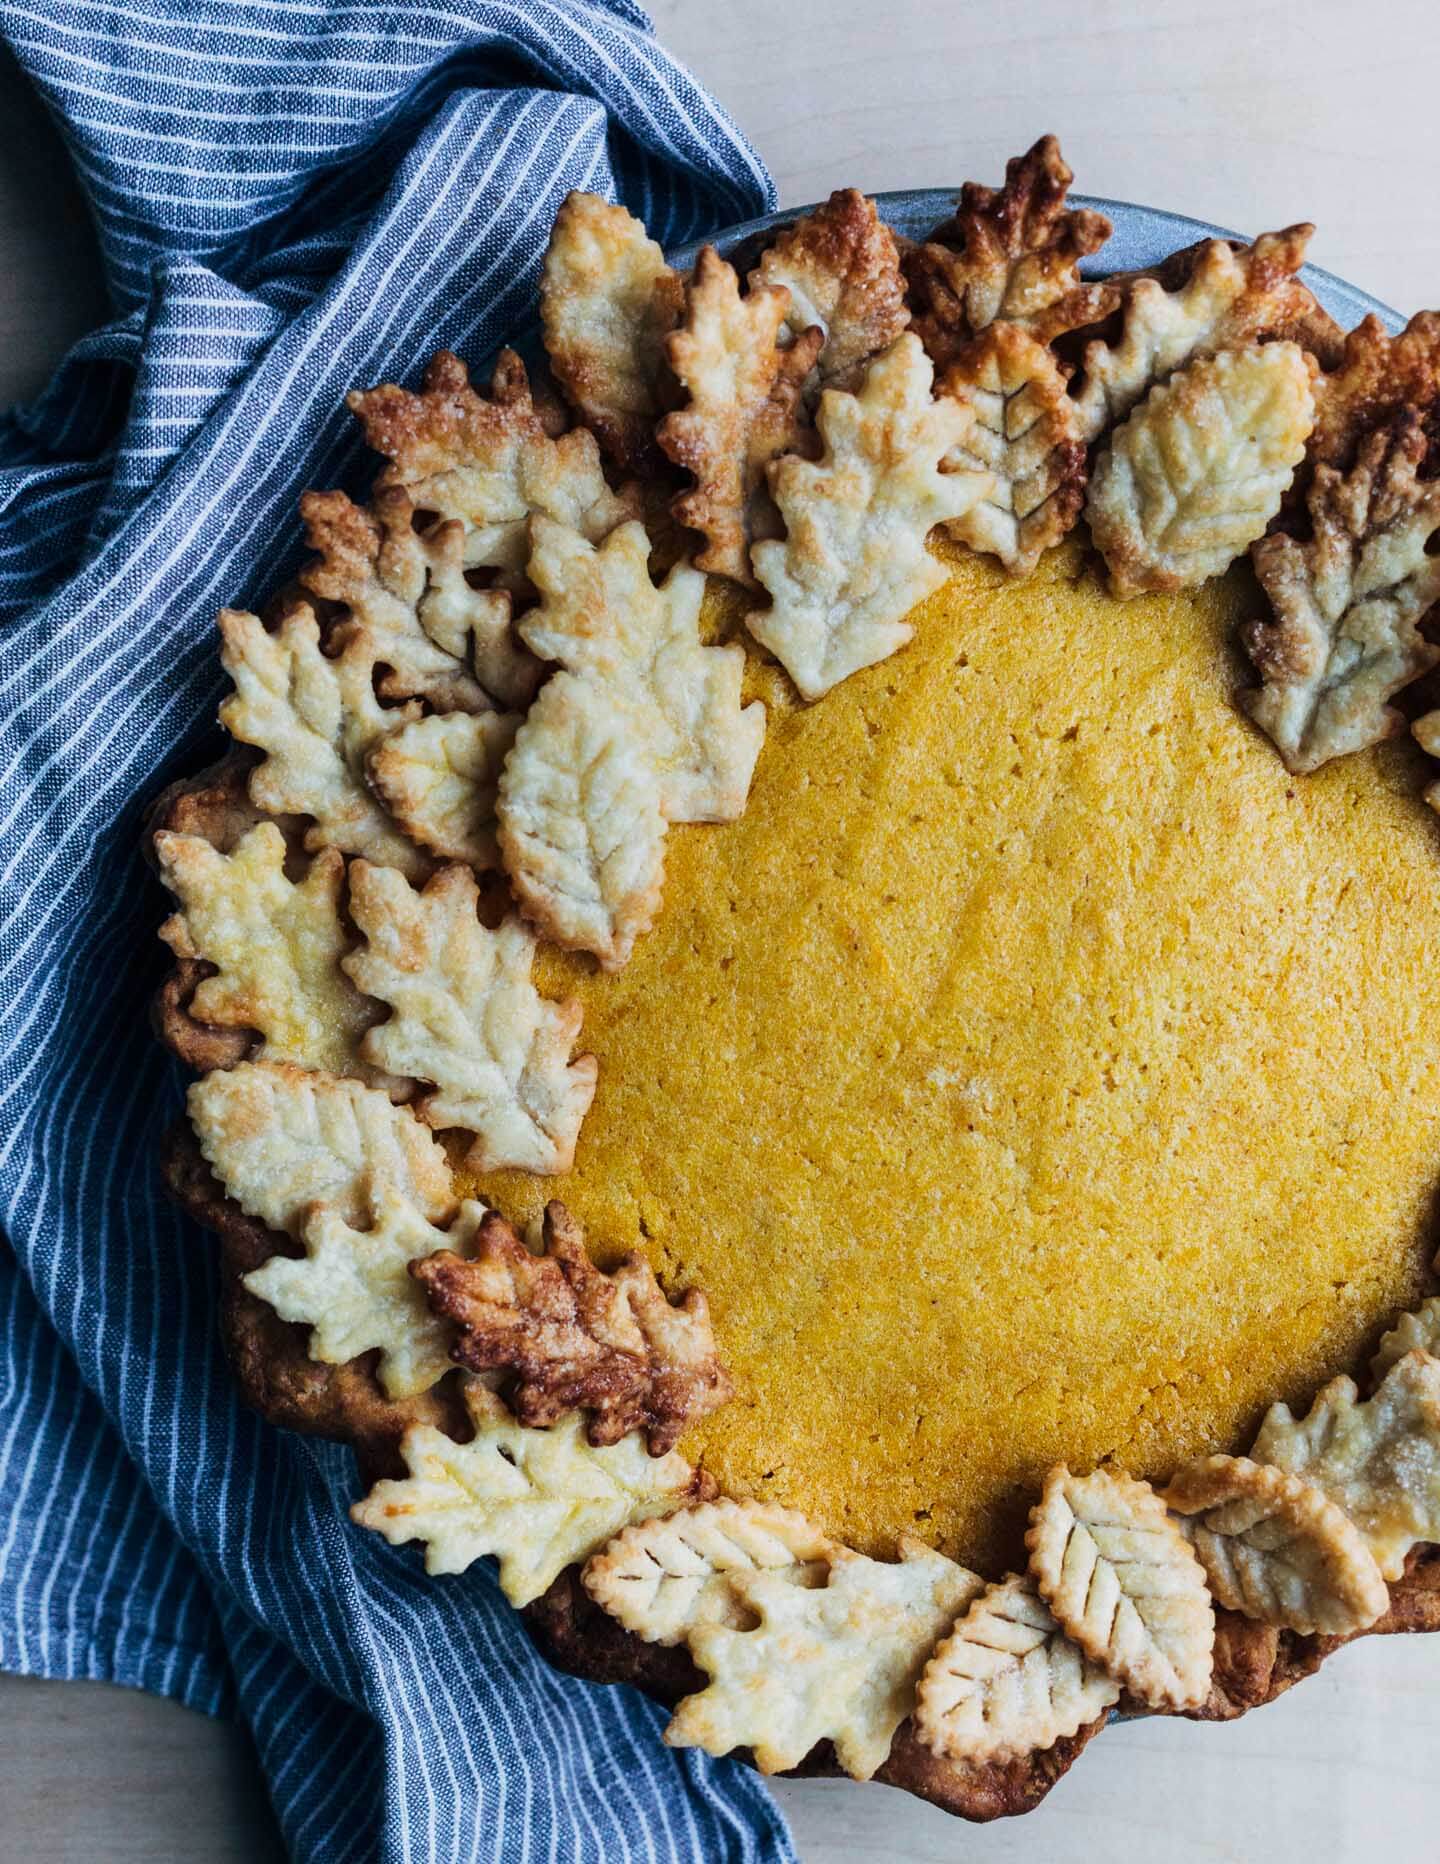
809	982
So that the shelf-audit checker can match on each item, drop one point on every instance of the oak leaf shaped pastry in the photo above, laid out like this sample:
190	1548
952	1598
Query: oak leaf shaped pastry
608	301
1224	297
281	1138
1348	604
276	945
663	1577
1026	436
1010	253
1274	1548
382	573
744	410
1414	1332
1007	1680
608	1342
835	1661
487	463
1122	1583
854	562
641	726
1378	1459
352	1287
439	776
465	1016
1195	474
316	719
1377	378
841	267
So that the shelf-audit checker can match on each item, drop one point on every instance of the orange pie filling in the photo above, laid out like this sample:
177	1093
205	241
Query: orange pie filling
1035	1071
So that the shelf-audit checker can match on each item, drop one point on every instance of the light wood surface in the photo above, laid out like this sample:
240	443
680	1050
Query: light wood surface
1250	114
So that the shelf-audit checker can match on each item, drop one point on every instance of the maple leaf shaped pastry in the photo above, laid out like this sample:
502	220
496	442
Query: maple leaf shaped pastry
276	945
854	562
663	1577
280	1138
1008	1681
466	1015
405	592
836	1661
1415	1332
608	301
352	1287
1195	474
315	719
576	1337
1026	436
842	270
488	461
1276	1549
1226	297
641	726
438	777
1348	605
1377	378
745	409
1011	253
537	1499
1122	1582
1377	1459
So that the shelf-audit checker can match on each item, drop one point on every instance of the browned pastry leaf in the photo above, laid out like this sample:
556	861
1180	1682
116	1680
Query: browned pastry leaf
744	410
1379	376
583	1640
1011	253
270	1356
1280	304
842	270
576	1336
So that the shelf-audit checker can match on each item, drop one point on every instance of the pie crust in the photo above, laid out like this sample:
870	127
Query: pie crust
462	738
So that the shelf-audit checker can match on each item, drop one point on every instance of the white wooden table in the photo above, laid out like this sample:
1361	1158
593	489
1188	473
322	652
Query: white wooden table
1247	112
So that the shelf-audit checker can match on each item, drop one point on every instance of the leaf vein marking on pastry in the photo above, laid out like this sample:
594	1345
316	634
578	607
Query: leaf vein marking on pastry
537	1499
439	776
854	562
1198	470
1008	1681
578	1338
1275	1548
1119	1578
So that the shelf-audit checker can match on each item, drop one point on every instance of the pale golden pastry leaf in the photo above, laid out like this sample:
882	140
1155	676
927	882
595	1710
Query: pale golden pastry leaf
1026	437
608	301
1228	299
1008	1681
1195	474
465	1016
315	719
1379	1459
537	1499
836	1661
1122	1583
609	1342
842	270
1415	1332
276	945
488	461
744	410
642	726
1009	253
354	1291
280	1138
1377	378
854	561
405	590
663	1577
1274	1548
1345	635
438	777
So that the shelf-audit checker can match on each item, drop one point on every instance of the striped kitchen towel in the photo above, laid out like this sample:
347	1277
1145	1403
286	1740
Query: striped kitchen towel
292	196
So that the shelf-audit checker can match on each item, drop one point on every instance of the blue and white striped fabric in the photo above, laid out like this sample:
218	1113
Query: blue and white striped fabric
292	197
